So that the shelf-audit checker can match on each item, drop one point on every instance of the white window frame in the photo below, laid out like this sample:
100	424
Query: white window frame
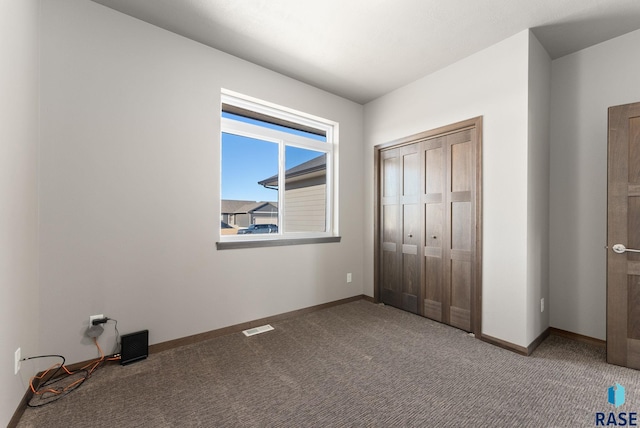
284	139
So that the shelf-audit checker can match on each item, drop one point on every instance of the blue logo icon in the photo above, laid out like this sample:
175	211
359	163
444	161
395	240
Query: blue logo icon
616	395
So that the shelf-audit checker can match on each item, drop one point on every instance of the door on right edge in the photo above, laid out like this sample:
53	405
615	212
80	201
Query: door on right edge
623	236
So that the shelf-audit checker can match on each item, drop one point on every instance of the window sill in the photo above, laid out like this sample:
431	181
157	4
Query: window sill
228	245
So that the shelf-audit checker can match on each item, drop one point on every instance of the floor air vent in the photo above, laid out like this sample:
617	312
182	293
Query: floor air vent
257	330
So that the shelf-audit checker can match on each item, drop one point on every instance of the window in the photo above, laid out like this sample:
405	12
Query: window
277	173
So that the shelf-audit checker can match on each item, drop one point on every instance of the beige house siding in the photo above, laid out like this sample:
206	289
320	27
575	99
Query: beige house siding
305	209
242	220
269	216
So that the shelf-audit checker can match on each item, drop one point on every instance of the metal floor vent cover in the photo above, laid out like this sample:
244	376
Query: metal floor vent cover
257	330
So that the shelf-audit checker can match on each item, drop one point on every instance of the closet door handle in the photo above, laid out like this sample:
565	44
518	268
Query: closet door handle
619	248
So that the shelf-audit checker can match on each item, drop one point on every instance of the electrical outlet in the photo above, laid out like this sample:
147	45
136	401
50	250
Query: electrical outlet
349	277
17	358
95	317
542	305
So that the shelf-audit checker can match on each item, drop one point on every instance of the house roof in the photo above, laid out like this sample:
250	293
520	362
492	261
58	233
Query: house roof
254	206
314	165
228	206
235	206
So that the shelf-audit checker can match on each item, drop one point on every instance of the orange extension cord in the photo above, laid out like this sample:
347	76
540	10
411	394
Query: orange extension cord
93	366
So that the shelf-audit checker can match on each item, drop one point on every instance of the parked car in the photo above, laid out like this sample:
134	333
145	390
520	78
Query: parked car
259	228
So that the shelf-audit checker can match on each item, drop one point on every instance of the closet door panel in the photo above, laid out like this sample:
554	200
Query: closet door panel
434	168
461	226
391	284
410	199
410	267
400	223
433	291
460	310
390	175
390	268
461	171
433	263
460	207
433	230
410	174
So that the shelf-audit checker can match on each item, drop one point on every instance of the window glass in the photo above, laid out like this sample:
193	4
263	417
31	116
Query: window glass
245	161
305	190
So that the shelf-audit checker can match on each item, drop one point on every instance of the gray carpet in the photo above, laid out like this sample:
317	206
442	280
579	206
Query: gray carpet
352	365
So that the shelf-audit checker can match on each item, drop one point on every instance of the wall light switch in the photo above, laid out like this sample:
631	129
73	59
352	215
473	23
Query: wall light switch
349	277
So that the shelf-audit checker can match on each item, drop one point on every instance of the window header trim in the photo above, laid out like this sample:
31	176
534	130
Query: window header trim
239	111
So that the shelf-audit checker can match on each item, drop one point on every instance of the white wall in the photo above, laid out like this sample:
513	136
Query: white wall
538	189
130	186
494	84
19	195
584	85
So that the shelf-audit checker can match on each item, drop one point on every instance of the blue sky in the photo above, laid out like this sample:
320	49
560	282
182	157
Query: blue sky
245	161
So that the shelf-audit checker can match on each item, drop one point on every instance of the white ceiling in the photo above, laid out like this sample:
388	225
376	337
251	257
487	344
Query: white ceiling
362	49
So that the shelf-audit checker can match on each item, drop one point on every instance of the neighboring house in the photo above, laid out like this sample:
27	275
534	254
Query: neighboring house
256	213
305	195
236	213
228	207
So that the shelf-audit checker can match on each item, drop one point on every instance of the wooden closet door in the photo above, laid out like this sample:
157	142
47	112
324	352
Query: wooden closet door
400	227
433	200
460	224
410	210
429	244
449	232
390	172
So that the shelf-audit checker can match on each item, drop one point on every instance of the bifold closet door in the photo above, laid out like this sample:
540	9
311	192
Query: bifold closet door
429	246
400	226
449	227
